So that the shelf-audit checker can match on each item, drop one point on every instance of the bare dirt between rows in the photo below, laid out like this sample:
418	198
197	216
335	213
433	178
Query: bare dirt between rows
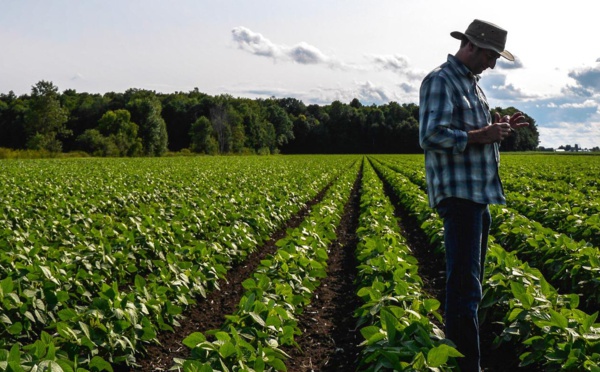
209	313
329	340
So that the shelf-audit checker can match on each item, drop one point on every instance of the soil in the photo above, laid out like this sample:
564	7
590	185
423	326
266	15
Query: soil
209	313
329	340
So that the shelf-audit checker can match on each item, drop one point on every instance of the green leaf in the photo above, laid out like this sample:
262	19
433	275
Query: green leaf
194	339
259	365
431	304
49	366
15	328
277	364
589	321
574	301
15	354
373	334
222	336
257	318
97	364
66	365
249	284
390	323
205	368
148	333
369	331
65	331
439	355
514	313
558	319
249	302
520	293
6	286
51	354
173	309
67	314
418	362
227	349
140	282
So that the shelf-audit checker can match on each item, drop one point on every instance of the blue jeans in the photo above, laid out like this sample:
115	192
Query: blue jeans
466	229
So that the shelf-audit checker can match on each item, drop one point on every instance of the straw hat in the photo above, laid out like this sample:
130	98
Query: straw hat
486	35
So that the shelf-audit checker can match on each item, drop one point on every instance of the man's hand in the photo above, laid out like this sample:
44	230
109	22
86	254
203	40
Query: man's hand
499	130
515	121
489	134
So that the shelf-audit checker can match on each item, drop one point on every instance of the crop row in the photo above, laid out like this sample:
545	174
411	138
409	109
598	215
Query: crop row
569	264
557	175
398	320
104	265
560	213
278	291
560	192
547	326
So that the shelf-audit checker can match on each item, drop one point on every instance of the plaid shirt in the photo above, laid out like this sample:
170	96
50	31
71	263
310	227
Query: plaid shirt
451	104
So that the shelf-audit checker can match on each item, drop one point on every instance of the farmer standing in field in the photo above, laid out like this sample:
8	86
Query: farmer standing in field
461	142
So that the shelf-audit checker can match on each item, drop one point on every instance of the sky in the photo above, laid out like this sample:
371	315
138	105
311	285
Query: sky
317	51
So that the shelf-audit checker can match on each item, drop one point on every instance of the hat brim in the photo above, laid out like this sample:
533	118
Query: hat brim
504	53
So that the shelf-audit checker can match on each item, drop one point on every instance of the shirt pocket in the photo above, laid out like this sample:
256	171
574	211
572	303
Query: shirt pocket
465	114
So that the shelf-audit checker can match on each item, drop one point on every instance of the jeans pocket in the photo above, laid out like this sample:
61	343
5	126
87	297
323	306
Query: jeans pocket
444	207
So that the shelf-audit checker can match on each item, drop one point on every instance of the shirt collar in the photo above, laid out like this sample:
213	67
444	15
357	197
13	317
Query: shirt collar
462	69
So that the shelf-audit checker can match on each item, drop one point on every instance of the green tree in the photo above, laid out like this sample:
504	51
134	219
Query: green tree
180	110
118	128
93	142
238	136
256	129
12	118
345	122
201	137
84	112
283	125
145	109
220	119
45	118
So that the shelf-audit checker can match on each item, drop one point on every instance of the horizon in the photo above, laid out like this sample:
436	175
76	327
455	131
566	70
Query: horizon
312	51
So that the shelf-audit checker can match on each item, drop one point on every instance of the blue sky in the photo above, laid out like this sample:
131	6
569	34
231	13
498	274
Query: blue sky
317	51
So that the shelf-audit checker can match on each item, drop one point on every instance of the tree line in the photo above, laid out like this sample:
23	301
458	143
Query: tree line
145	123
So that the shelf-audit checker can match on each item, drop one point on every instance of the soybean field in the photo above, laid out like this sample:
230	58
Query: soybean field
286	263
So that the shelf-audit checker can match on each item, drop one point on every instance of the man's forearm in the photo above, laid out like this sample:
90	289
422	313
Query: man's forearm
478	136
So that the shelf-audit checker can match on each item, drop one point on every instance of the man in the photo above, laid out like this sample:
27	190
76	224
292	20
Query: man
461	159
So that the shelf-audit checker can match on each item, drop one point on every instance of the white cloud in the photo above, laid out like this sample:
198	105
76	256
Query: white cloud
255	43
584	134
397	64
306	54
508	65
587	81
371	93
588	103
408	88
302	53
77	76
366	92
496	87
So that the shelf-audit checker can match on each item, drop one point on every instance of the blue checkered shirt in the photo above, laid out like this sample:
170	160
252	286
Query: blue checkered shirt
451	104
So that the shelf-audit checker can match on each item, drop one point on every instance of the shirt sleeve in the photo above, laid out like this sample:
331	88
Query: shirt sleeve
435	118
